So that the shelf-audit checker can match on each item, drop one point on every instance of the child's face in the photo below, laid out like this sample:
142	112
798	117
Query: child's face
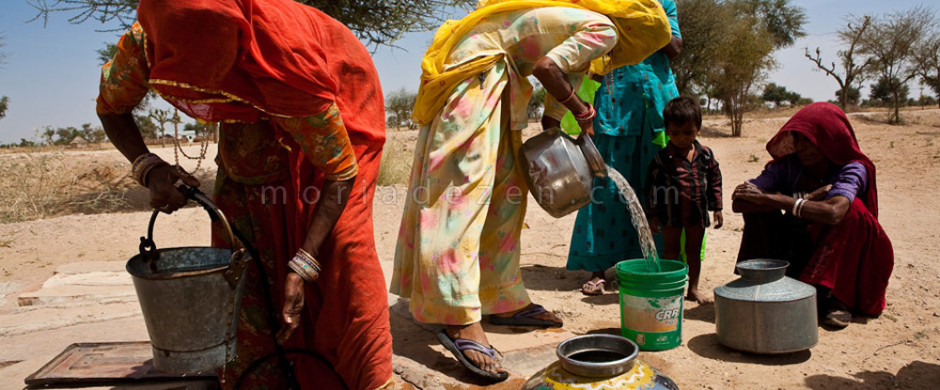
683	136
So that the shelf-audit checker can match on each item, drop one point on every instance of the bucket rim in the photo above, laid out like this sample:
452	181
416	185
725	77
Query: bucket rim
177	275
675	273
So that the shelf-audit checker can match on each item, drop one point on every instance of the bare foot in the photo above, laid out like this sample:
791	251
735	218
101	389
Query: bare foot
696	296
475	333
546	316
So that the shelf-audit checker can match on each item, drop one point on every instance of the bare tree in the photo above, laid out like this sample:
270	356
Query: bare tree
48	135
852	73
93	134
162	117
927	60
375	22
3	55
400	104
892	41
176	120
4	101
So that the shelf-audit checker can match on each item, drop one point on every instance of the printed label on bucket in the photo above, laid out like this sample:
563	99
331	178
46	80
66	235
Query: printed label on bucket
652	315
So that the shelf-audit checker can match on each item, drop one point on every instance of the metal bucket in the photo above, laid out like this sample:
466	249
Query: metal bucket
560	170
190	298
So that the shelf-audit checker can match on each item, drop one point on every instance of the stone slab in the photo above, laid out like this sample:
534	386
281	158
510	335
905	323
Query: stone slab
8	288
94	278
72	294
92	266
36	319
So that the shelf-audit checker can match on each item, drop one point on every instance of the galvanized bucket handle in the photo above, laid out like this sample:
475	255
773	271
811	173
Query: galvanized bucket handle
148	249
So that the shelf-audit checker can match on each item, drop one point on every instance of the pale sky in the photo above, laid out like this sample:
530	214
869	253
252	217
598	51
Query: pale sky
51	73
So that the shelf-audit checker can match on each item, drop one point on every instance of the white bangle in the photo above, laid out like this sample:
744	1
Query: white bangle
799	210
796	207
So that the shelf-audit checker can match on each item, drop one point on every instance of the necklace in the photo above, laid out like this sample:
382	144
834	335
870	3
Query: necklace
608	82
178	149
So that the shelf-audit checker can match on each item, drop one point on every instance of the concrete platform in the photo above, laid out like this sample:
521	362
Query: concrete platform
78	283
64	295
38	319
96	302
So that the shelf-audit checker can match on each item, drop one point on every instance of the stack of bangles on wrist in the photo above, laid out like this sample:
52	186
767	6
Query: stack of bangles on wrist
143	165
586	116
305	265
798	207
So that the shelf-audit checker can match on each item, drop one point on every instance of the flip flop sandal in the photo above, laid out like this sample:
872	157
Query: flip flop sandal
457	346
597	288
526	318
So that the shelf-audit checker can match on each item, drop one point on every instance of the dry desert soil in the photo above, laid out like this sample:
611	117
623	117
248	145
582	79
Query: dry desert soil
898	350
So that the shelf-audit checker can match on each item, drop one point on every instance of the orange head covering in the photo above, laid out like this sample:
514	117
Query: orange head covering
264	55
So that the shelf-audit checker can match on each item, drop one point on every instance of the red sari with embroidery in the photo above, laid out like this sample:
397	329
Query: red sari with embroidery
853	258
300	103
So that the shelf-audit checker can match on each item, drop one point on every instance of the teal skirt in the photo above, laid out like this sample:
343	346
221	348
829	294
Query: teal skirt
603	232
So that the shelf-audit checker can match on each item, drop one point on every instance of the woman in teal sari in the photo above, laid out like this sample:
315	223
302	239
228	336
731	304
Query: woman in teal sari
628	131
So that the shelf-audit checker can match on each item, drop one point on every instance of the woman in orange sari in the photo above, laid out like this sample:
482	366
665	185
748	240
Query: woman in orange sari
300	144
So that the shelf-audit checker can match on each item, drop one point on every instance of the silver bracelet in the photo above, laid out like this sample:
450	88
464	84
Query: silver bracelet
799	210
796	207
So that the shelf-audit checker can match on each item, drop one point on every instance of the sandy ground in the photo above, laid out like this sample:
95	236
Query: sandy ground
899	350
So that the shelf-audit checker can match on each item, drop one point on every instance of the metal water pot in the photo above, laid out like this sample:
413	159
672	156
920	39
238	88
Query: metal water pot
765	311
560	170
599	361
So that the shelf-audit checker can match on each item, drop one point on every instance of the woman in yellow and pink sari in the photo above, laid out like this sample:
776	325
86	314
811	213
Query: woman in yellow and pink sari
457	257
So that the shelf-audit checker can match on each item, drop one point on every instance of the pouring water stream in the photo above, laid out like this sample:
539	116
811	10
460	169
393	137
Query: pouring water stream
638	217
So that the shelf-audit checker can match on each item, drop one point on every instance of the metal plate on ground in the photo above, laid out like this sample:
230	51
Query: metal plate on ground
101	364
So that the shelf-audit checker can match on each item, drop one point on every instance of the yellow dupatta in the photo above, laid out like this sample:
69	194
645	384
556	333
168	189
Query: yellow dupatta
642	27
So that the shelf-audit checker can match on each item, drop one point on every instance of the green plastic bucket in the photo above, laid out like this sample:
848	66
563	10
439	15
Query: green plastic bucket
651	303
